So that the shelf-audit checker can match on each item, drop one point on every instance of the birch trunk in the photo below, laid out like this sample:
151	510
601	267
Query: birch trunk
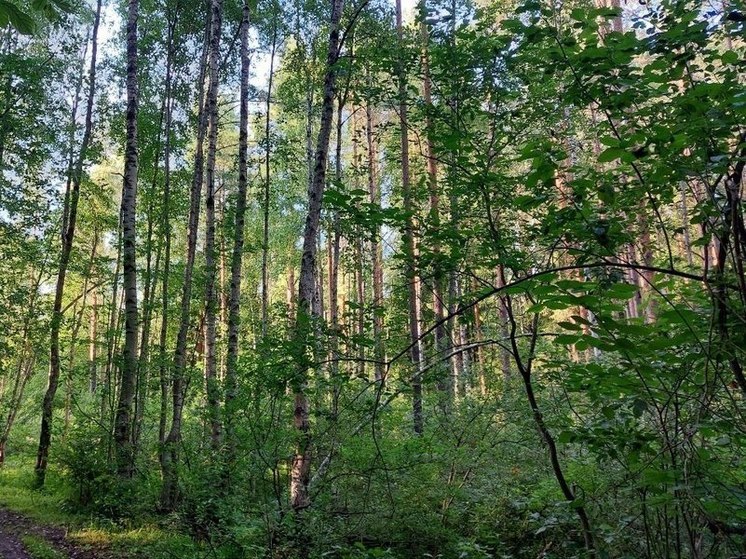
169	452
301	466
68	233
267	183
211	380
123	419
166	233
234	305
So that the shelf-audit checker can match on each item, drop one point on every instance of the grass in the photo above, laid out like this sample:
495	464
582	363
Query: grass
39	548
50	506
16	493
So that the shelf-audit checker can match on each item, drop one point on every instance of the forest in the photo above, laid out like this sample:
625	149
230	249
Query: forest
357	279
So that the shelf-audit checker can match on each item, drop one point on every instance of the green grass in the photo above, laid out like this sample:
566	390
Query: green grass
139	538
16	493
39	548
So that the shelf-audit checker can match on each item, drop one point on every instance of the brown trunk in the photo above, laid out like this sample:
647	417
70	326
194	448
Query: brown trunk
456	338
68	233
646	276
223	291
93	344
334	252
441	342
376	253
359	277
319	282
410	245
290	297
684	214
477	358
504	328
360	311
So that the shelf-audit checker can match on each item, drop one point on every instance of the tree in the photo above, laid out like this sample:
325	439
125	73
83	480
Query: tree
123	420
169	451
234	305
301	467
211	380
69	221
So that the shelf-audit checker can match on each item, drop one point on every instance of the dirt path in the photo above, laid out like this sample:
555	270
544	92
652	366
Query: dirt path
14	526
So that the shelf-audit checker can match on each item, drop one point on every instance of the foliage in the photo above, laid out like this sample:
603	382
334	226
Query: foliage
566	228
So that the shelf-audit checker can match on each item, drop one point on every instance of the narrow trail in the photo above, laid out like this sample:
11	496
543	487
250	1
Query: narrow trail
13	527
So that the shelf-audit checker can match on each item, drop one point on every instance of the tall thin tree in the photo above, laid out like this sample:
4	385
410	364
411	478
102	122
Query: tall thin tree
211	300
68	233
410	247
234	304
169	450
123	419
301	467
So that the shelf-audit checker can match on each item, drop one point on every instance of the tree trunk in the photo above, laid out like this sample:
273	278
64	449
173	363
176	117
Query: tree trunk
123	419
334	254
211	380
441	342
234	306
143	365
410	247
112	334
301	467
77	323
68	233
166	234
376	252
525	367
358	268
169	453
26	361
93	345
267	181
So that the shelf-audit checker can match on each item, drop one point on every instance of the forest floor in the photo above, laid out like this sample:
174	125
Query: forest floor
23	538
43	525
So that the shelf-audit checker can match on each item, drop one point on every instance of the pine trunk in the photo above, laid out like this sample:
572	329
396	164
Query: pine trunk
410	246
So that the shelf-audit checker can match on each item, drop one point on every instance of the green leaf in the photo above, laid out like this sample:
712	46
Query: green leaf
729	57
622	291
566	436
566	339
610	154
19	20
639	407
